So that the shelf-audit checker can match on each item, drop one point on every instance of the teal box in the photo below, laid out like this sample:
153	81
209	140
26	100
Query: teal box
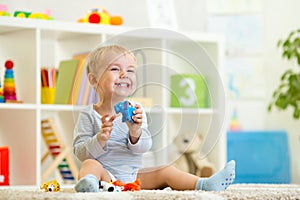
188	90
260	156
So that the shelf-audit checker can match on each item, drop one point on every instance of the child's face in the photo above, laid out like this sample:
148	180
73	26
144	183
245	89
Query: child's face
118	80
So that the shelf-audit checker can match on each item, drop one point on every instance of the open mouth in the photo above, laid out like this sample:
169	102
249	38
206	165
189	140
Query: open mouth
123	84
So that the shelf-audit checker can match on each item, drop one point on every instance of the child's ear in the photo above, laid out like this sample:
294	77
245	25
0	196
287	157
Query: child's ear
92	79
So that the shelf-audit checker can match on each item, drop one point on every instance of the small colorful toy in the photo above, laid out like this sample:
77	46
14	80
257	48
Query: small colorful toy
118	186
51	186
133	186
126	109
101	16
1	94
24	14
9	89
3	10
234	122
109	187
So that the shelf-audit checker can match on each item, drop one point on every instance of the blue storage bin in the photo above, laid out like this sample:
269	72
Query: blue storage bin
261	156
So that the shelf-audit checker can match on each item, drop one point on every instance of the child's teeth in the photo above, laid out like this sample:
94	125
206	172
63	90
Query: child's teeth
123	84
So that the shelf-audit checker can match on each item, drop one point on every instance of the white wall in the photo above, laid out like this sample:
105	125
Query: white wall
280	17
190	16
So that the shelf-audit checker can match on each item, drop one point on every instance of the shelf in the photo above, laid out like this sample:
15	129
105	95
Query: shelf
43	43
202	111
53	107
15	106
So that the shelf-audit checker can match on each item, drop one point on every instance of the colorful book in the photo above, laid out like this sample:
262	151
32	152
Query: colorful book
83	83
78	78
86	93
76	83
66	73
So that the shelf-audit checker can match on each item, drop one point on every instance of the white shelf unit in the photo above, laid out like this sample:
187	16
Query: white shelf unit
33	44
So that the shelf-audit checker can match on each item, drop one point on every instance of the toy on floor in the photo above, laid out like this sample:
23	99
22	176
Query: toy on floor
126	109
109	187
101	16
188	150
118	186
51	186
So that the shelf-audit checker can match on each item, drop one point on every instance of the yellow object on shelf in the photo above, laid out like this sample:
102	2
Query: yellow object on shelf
48	95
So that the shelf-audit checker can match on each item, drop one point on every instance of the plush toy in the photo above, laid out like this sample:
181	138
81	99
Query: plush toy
109	187
188	150
118	186
50	186
133	186
101	16
126	109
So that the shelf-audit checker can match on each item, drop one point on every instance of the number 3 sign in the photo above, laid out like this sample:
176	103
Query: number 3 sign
188	90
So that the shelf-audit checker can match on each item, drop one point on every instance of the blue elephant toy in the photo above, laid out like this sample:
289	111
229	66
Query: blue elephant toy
126	110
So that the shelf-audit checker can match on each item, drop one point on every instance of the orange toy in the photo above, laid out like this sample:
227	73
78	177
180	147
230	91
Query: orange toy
101	16
133	186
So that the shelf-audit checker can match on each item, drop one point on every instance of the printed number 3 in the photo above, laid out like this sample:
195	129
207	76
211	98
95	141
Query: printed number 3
189	99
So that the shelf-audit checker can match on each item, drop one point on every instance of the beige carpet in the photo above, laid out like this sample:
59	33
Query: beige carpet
236	191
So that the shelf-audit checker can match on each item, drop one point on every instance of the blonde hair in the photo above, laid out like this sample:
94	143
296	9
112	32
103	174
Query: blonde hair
97	58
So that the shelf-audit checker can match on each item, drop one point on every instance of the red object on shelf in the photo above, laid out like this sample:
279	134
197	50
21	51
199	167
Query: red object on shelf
4	166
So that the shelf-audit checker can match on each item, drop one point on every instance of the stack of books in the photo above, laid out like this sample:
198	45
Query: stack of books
71	85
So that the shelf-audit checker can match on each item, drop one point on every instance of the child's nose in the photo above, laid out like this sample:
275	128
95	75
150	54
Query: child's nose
123	74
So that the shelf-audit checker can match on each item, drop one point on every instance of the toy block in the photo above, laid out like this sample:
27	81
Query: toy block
4	166
61	154
189	91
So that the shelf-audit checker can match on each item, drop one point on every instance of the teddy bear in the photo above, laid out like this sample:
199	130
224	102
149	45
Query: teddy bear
188	156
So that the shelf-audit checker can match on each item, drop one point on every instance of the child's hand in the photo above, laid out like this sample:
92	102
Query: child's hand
107	123
135	129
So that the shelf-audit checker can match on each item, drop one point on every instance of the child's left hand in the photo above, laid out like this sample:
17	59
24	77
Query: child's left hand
135	129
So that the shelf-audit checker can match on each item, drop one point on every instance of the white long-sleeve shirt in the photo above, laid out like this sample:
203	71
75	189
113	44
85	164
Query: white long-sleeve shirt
119	156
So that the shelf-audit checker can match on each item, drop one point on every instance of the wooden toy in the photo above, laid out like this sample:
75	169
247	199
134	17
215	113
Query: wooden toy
1	94
61	154
9	89
101	16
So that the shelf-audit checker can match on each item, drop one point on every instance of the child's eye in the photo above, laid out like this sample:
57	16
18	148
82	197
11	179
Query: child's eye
131	71
114	69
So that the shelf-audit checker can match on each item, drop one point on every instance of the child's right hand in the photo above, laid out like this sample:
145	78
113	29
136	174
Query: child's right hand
107	123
